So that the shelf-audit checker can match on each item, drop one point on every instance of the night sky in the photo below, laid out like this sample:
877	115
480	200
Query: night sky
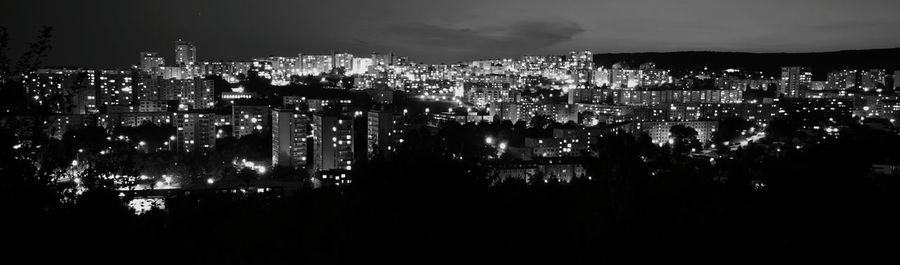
110	33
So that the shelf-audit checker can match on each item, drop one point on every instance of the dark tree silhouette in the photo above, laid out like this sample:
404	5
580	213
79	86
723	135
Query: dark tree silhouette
247	175
684	139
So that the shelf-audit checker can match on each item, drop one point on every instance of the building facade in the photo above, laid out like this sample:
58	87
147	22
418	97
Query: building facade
289	134
332	142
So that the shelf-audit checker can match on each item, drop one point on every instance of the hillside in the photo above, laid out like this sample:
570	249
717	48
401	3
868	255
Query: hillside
821	62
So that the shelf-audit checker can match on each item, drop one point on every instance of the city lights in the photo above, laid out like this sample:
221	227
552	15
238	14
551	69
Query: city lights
717	132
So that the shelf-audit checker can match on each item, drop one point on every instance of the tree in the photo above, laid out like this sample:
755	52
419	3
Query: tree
609	100
521	126
13	98
37	51
247	175
28	164
588	118
152	135
684	139
289	173
4	56
541	121
730	128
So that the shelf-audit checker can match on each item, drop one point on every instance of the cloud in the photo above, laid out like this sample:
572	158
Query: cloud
108	33
525	36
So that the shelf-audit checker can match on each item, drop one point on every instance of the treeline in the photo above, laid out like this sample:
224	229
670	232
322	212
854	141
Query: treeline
642	205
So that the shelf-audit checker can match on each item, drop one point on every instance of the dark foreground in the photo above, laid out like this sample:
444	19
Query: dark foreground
818	205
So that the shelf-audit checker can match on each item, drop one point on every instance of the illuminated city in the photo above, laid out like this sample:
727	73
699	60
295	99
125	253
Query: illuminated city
371	153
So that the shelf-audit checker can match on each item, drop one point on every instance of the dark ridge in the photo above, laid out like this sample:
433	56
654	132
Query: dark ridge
821	62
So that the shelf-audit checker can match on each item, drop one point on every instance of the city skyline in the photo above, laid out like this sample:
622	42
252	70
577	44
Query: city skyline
448	32
496	132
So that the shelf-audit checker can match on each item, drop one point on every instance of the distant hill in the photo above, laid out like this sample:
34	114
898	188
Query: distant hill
770	63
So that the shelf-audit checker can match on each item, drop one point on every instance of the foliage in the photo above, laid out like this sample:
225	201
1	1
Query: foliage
684	139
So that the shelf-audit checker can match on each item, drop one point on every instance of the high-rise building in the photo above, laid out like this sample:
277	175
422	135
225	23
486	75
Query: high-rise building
173	72
564	142
581	68
114	88
151	61
194	93
152	106
402	61
753	112
793	80
814	110
219	68
872	79
88	95
332	142
381	131
285	67
246	120
621	76
316	64
203	95
659	132
897	79
379	59
650	76
360	65
75	86
851	79
146	86
278	69
485	93
195	132
263	68
185	53
289	133
842	80
505	111
344	60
